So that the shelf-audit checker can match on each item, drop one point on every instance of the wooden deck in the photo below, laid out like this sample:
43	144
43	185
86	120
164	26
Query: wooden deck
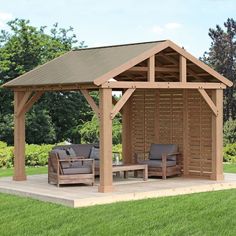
124	190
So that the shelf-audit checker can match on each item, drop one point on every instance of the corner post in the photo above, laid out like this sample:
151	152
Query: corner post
19	139
126	133
105	106
217	136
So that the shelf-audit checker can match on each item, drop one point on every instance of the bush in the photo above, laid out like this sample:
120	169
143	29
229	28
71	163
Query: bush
230	153
35	155
6	155
230	132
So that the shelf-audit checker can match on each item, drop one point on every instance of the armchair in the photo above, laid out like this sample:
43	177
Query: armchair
63	169
163	160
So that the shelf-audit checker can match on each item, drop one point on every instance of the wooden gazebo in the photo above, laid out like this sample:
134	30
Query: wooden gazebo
169	96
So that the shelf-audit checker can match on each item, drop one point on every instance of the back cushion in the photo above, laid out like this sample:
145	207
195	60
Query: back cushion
79	149
82	149
94	153
156	151
62	156
70	151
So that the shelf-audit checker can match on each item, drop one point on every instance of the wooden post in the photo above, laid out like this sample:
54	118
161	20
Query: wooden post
185	134
105	106
126	133
19	139
151	69
217	136
182	69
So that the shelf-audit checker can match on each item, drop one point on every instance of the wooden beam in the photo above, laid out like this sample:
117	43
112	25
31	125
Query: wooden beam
164	85
217	137
19	139
106	177
121	102
91	102
208	101
151	69
157	69
175	62
132	62
32	100
56	87
199	63
22	102
182	69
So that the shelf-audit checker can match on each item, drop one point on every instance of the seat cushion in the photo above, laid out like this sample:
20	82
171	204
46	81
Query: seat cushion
156	151
94	154
78	170
156	163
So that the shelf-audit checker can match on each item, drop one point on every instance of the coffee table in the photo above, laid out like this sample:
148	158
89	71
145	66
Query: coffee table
129	167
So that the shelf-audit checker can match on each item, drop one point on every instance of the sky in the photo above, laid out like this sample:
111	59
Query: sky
109	22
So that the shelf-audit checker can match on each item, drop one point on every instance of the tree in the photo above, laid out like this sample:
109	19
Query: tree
222	57
39	123
90	131
230	132
23	48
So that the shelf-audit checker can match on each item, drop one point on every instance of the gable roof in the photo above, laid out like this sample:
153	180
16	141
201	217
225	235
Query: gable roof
98	65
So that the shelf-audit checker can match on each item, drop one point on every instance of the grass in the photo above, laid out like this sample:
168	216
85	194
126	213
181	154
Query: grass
202	214
230	168
212	213
29	171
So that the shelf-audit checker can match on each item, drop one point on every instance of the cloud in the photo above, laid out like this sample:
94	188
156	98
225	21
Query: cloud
173	25
4	17
157	29
167	28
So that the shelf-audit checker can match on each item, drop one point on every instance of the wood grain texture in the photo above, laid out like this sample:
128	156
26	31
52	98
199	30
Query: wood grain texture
105	106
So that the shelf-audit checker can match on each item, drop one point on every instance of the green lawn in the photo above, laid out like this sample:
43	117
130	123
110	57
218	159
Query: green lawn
230	168
29	171
212	213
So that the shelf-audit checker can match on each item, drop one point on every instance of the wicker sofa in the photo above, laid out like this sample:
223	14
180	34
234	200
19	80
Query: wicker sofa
72	164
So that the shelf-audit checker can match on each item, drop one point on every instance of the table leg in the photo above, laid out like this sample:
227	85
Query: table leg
126	174
145	174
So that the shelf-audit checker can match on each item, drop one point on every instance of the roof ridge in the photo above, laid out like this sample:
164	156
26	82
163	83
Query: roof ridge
119	45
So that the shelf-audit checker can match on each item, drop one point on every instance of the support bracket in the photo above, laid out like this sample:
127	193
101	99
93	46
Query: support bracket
121	102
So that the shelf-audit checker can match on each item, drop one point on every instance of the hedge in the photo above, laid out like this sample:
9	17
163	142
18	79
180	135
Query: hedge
37	155
230	152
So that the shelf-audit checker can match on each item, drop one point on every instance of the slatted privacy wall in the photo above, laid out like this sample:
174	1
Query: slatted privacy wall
173	116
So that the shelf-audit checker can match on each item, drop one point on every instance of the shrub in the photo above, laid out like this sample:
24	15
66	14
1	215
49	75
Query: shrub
230	132
230	153
6	156
35	155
